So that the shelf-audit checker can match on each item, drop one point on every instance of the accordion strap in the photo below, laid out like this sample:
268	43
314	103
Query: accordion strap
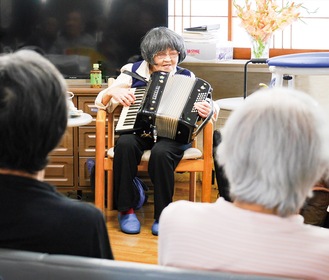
140	78
180	70
135	75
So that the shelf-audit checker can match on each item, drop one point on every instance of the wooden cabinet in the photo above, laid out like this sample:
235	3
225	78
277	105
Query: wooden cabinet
67	169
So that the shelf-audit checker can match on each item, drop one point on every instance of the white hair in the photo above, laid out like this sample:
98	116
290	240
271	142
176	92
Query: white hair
274	149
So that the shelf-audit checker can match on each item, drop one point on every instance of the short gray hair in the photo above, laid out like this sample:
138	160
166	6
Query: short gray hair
275	147
159	39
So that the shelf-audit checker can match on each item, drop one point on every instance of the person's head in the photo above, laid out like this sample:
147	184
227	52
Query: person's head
33	110
162	46
50	27
275	147
74	25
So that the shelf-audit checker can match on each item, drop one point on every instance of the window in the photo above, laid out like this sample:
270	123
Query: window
305	34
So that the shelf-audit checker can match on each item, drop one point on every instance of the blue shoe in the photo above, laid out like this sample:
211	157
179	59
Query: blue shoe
129	223
90	164
155	228
141	188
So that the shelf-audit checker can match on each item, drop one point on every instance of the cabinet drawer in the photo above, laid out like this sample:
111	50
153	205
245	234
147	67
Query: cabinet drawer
87	141
87	104
65	147
59	171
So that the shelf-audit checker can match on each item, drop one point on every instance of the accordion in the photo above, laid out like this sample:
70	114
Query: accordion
165	108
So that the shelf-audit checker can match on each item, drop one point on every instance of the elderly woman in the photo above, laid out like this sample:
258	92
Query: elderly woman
274	149
162	49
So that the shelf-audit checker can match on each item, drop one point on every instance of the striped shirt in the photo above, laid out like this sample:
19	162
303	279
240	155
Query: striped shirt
220	236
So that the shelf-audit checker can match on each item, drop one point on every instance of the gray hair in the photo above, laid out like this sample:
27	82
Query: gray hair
275	147
159	39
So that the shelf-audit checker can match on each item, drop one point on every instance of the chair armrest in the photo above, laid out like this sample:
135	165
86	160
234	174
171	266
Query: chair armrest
100	132
101	115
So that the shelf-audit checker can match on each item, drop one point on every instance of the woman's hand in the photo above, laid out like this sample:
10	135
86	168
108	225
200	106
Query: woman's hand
124	95
203	108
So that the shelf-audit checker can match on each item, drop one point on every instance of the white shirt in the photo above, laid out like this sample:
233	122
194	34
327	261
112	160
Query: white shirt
220	236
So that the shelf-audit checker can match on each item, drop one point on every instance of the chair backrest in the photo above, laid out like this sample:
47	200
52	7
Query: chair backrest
31	265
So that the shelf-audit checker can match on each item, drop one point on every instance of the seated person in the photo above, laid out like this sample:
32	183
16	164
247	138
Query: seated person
33	119
73	38
162	50
274	149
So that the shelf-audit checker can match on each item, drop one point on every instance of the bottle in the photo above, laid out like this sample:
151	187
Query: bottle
96	76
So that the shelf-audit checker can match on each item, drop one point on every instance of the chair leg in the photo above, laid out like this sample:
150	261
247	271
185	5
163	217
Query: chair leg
110	190
206	186
192	193
99	189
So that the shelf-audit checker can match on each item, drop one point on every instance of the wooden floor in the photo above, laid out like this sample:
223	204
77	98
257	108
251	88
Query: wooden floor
142	247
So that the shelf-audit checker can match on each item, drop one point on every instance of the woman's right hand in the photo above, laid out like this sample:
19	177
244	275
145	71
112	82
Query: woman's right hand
123	95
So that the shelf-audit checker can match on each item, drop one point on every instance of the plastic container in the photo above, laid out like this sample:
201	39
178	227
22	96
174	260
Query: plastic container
95	76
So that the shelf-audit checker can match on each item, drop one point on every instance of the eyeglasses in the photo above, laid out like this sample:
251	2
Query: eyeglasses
163	55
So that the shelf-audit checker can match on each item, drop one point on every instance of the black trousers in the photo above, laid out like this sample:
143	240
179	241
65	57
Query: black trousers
165	156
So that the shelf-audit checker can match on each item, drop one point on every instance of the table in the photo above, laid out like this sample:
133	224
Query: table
83	119
285	67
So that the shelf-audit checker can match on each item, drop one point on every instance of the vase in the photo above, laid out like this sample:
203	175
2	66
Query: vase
260	48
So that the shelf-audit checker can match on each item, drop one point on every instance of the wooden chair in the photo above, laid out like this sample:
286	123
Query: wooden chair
193	161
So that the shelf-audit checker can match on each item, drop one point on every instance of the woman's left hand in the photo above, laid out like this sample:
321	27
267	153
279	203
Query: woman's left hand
203	107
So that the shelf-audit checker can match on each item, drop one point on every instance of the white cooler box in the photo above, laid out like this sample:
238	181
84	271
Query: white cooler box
208	51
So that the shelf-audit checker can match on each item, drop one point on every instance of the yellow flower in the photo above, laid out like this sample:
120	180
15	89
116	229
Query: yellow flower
265	17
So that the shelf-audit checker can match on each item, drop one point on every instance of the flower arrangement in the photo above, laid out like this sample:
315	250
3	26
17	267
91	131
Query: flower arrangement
265	17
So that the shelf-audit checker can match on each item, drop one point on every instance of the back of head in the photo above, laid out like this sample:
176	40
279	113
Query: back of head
33	110
159	39
274	148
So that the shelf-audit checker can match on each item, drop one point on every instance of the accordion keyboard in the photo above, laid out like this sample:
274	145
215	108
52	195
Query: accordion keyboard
129	113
